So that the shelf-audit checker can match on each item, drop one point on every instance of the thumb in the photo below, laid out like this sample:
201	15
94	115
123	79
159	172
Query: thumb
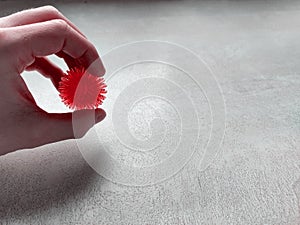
65	126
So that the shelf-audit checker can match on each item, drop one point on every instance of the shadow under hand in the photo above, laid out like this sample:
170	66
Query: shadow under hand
38	180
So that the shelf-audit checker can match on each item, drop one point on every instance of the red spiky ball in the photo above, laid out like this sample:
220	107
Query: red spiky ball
79	89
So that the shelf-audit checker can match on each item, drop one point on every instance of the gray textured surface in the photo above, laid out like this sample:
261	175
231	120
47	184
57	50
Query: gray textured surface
253	49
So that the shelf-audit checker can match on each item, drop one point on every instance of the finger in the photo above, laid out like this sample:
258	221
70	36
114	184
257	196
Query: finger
50	37
71	62
36	15
61	126
92	68
47	69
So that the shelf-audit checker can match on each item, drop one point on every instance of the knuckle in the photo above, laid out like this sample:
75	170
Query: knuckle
60	25
52	11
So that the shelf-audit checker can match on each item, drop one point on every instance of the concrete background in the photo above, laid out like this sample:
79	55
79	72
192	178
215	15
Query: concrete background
252	48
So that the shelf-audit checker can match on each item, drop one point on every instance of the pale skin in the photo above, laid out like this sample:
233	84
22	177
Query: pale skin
26	38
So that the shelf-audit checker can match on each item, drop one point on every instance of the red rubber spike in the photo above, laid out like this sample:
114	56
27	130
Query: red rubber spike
79	89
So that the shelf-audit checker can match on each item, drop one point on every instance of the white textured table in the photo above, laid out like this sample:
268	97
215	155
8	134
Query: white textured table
252	48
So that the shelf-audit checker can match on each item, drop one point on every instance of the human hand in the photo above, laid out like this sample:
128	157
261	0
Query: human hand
26	38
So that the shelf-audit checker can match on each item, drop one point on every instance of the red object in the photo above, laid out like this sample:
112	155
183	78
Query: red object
79	89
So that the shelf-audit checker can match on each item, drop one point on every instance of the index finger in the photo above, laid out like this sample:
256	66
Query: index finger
51	37
36	15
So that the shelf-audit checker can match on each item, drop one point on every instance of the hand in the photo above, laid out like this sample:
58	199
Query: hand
26	38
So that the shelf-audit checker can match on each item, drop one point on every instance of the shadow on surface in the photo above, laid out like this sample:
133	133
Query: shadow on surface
43	180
